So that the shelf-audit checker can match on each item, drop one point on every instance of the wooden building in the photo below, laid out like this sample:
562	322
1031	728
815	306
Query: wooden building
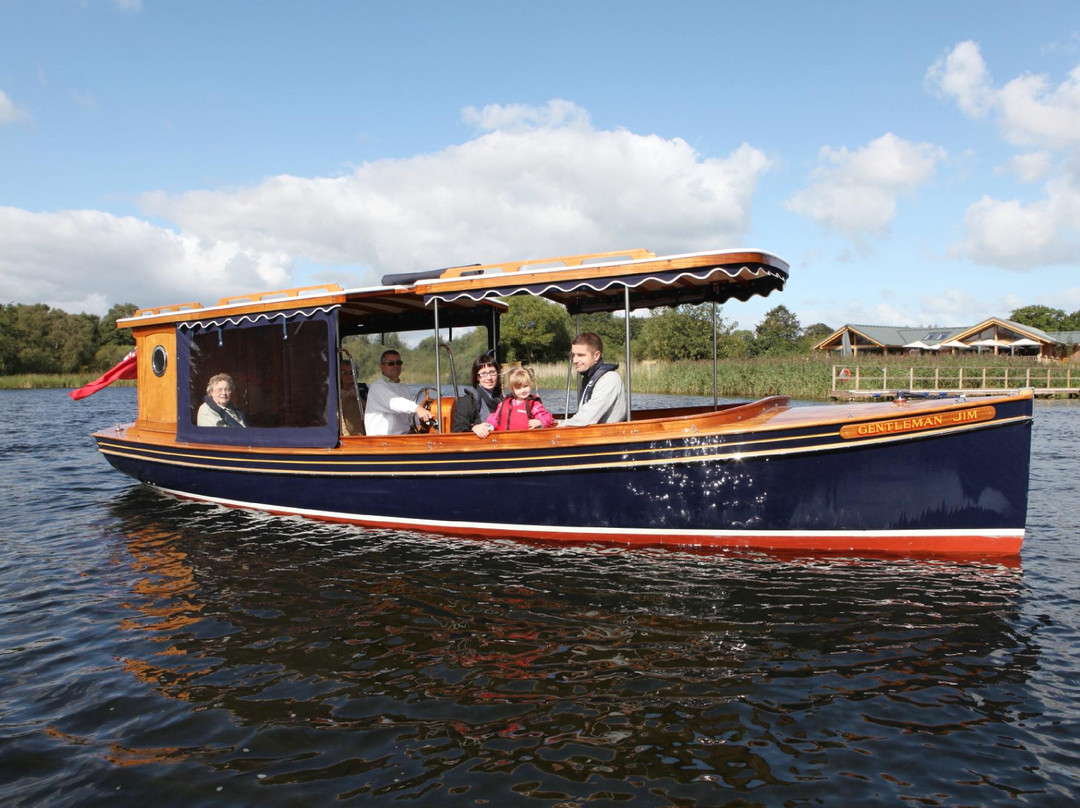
995	335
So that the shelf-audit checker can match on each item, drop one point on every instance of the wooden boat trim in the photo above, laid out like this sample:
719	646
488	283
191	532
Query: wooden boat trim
442	458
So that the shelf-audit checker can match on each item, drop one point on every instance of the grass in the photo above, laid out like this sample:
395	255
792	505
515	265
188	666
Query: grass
810	376
802	376
51	381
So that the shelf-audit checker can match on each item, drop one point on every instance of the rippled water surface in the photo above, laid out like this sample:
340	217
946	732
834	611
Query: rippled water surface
161	653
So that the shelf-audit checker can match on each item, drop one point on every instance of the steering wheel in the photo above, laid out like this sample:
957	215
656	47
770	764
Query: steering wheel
425	397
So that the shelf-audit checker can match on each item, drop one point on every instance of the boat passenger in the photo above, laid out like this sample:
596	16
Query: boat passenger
522	409
600	396
216	409
389	409
480	398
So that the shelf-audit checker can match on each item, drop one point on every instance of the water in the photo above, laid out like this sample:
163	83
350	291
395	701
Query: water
177	654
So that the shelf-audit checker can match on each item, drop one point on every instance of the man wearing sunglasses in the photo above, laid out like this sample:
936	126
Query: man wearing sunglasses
389	408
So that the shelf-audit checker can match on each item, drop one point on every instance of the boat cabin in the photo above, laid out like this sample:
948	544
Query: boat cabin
282	349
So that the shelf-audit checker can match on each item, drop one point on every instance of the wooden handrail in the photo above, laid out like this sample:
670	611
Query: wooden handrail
329	288
166	309
565	260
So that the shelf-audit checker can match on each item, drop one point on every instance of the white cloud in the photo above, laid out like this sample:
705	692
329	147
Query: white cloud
86	100
1033	112
548	184
86	260
520	117
128	5
949	308
1018	236
1030	112
1029	167
9	112
551	189
854	192
961	74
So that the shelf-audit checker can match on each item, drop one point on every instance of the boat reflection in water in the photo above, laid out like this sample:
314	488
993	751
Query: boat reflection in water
338	663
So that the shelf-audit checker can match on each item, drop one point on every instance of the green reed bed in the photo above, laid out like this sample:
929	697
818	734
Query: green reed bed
811	377
802	377
52	381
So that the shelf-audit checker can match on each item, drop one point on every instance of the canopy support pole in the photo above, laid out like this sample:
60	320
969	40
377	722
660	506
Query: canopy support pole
438	367
570	366
715	397
626	353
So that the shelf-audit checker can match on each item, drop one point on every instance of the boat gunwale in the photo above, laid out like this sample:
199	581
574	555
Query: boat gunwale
763	418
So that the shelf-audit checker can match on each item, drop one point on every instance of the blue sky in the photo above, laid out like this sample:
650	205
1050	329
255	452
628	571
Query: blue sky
915	163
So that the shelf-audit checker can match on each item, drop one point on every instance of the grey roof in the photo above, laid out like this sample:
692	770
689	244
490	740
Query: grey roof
894	336
898	336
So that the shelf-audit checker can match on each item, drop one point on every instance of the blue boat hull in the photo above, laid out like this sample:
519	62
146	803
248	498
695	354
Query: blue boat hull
962	490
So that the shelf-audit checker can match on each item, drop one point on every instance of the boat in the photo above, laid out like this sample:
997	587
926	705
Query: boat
936	476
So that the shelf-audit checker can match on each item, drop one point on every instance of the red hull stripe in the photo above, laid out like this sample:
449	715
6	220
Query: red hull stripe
1004	542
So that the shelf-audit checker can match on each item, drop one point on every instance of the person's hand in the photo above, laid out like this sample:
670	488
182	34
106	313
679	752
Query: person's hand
424	414
534	423
482	430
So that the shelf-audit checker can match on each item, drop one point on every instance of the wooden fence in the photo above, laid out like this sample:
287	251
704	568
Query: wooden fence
859	381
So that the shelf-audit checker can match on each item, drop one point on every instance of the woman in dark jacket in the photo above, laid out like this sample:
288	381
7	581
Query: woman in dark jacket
481	398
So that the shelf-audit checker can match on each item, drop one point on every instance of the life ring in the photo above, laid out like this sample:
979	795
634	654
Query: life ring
845	374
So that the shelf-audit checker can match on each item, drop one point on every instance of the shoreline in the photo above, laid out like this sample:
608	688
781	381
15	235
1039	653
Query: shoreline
808	378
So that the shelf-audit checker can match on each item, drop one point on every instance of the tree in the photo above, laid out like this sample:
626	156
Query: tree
610	329
1042	317
8	349
109	334
777	334
534	330
813	334
685	332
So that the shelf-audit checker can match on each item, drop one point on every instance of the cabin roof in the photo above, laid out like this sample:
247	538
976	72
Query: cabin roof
396	308
595	282
469	295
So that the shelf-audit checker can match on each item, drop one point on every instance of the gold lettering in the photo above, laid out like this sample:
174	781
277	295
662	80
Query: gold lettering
915	423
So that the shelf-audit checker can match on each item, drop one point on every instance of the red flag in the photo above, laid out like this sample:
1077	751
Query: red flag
125	369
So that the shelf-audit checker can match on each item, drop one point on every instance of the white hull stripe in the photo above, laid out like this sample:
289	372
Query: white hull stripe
437	524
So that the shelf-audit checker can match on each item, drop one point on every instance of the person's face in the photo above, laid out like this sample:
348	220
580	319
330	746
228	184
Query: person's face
583	358
221	392
487	377
522	391
391	367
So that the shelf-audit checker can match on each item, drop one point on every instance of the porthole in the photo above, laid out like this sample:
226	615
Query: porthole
159	360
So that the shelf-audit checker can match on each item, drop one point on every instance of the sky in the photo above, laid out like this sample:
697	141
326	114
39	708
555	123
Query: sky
916	163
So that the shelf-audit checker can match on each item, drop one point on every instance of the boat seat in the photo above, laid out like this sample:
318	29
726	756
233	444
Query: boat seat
447	406
350	404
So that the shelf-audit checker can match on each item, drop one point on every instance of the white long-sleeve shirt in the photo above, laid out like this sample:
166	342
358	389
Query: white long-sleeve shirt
606	405
389	409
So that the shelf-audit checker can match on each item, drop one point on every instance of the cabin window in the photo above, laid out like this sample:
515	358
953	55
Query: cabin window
280	371
159	360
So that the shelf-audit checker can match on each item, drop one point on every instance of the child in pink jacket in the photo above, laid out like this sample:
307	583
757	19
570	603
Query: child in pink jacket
521	409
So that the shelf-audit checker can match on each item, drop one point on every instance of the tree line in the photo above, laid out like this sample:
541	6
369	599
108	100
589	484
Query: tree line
534	331
1046	318
35	338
